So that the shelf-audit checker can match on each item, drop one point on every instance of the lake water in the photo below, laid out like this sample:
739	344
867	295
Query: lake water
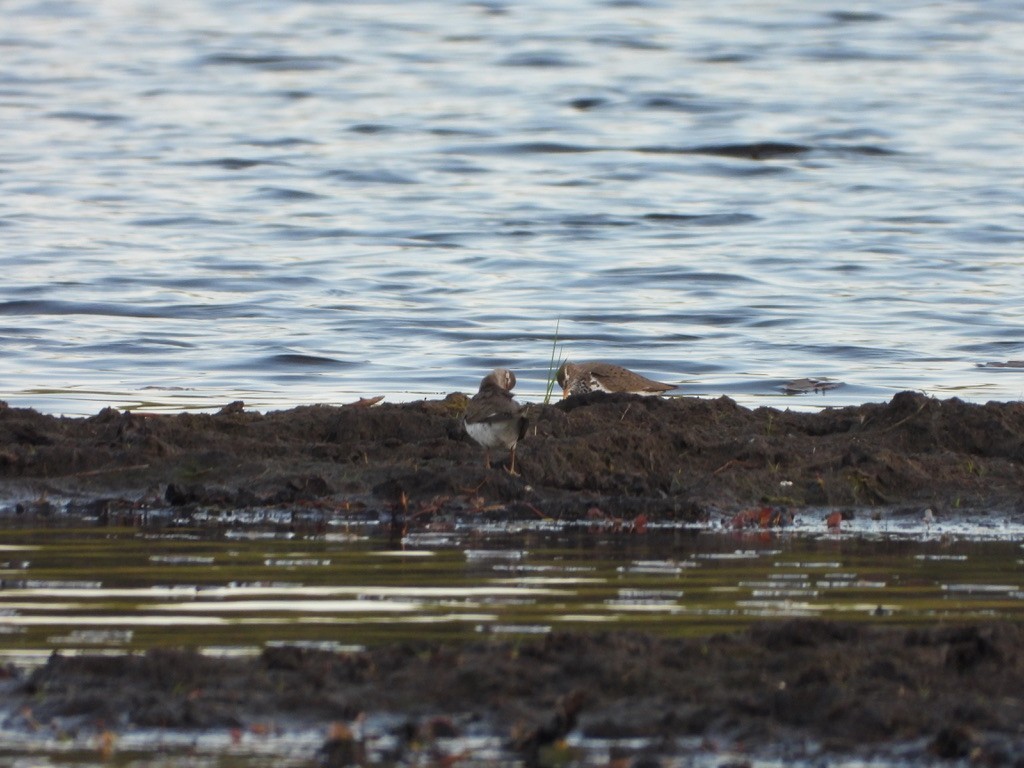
106	589
289	202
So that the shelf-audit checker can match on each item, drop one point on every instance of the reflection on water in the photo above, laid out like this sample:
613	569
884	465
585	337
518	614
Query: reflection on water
86	590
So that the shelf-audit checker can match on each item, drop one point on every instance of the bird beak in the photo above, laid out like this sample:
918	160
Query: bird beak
565	392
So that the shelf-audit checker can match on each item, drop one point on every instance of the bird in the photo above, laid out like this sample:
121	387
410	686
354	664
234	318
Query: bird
580	378
493	418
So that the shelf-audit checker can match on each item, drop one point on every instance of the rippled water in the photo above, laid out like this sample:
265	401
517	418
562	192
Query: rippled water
104	589
288	202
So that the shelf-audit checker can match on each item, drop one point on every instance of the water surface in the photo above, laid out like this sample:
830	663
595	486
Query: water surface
115	590
310	202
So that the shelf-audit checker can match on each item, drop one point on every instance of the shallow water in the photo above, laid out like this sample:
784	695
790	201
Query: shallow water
309	202
110	591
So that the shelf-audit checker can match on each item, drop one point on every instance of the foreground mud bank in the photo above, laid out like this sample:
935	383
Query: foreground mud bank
614	456
793	690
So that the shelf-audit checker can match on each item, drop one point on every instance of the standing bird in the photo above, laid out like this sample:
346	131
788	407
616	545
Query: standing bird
493	418
580	378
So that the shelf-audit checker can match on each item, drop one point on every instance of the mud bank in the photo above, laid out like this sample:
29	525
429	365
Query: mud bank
796	690
614	456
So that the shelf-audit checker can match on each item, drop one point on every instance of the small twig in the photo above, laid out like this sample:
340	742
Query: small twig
724	467
906	418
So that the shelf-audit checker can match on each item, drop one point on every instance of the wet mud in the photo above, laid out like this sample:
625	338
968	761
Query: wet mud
798	690
790	688
620	456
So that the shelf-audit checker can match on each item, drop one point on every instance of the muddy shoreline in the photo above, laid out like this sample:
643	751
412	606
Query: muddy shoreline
790	689
798	690
621	456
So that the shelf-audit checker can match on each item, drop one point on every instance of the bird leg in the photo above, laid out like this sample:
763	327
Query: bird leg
512	462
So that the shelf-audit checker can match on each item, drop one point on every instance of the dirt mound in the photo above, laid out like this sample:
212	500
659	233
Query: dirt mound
622	455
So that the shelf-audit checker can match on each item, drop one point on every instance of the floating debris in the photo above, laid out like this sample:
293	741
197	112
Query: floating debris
806	386
762	517
1006	364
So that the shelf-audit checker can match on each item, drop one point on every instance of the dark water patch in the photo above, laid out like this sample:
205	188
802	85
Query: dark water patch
402	239
180	221
538	60
285	141
833	54
765	150
857	134
728	58
772	322
843	351
847	268
586	103
371	129
172	311
677	104
28	307
239	285
87	117
597	220
994	234
674	274
695	319
572	183
994	348
490	7
628	42
632	4
437	238
915	221
856	17
134	347
460	167
762	150
298	360
297	233
702	220
379	176
868	150
738	171
471	132
234	163
522	148
466	38
274	62
285	194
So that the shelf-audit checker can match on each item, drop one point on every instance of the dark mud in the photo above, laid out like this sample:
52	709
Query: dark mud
599	455
787	689
796	690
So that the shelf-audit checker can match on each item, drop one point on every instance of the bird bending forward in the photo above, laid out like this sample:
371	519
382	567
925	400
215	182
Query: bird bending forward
580	378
